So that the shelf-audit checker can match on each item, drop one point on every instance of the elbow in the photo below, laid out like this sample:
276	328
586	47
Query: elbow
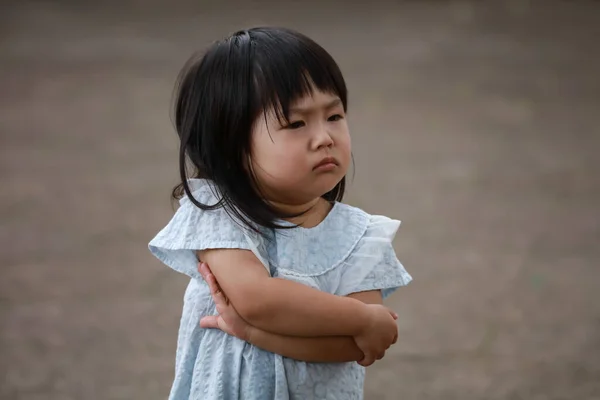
252	307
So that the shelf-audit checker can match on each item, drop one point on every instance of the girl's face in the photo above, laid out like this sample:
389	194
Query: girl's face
300	162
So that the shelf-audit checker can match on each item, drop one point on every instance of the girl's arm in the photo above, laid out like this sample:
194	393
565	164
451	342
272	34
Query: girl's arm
326	349
289	308
330	349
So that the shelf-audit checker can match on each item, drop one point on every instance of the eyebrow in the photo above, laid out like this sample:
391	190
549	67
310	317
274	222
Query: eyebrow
308	110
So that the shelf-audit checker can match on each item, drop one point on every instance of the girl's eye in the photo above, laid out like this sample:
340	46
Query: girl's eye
335	117
296	125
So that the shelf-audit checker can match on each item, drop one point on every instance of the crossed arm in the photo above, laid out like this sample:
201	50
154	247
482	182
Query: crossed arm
309	349
315	349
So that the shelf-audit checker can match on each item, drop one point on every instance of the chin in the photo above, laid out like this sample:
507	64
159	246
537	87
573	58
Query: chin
327	187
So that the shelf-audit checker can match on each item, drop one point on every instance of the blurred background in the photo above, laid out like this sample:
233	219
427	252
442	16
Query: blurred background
475	123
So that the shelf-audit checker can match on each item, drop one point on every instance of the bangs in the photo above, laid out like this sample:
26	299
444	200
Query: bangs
289	66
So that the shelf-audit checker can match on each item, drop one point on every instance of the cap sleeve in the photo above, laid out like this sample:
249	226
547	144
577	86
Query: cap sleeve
192	229
373	265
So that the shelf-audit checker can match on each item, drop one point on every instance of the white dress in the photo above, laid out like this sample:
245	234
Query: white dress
349	251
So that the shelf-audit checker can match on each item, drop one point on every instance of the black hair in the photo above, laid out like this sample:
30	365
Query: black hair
220	95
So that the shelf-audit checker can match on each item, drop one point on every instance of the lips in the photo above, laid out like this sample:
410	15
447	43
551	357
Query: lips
327	161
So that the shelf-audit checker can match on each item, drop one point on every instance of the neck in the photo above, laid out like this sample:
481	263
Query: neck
314	212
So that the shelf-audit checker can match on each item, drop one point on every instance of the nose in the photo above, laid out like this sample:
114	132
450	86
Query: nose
322	138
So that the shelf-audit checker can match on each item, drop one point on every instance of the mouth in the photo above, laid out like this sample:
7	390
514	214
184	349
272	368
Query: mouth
326	164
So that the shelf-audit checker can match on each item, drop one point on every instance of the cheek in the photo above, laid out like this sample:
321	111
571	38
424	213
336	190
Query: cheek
344	145
277	160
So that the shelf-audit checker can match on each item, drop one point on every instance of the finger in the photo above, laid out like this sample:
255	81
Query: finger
203	269
207	267
213	285
223	325
217	294
221	302
209	322
381	355
367	361
204	266
215	288
395	339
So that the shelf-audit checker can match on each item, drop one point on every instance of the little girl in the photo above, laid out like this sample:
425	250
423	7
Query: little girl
296	276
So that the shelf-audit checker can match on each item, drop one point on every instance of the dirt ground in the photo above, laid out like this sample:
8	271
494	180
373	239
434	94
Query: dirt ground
476	125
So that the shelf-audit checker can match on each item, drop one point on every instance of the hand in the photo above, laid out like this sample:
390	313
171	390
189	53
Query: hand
379	333
228	320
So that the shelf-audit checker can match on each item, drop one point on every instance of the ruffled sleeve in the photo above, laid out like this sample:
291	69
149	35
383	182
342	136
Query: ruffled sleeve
192	229
373	265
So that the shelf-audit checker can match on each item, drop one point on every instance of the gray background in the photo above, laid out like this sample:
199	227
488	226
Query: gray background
475	123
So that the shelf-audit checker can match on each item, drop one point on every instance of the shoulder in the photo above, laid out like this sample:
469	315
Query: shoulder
376	231
191	224
192	229
368	224
372	264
